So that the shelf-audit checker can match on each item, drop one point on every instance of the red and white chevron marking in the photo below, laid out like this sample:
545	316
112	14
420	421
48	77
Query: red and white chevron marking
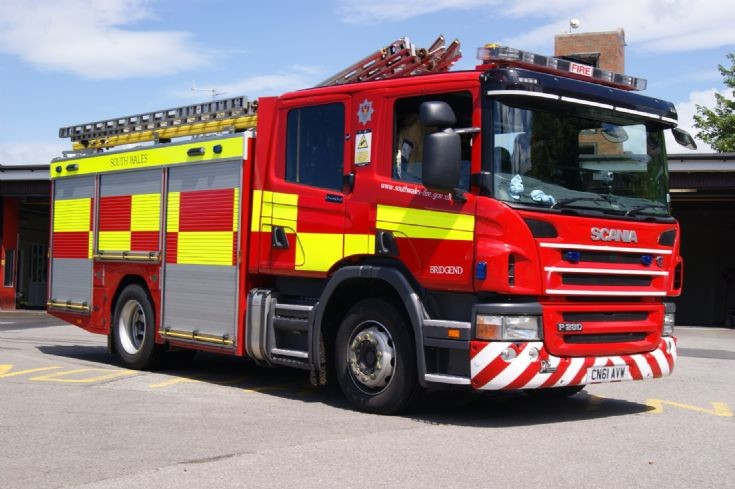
526	371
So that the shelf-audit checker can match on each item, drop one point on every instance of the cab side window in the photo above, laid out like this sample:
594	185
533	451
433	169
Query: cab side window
315	145
409	132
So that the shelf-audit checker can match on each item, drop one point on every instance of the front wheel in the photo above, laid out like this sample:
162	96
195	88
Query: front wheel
375	359
133	327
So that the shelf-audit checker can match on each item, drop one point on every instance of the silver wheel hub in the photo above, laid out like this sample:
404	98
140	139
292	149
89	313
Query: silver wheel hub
132	326
372	357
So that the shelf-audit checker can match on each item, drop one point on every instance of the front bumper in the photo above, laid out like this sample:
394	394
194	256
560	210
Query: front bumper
529	366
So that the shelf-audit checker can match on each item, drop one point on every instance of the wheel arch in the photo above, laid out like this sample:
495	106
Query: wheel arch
352	283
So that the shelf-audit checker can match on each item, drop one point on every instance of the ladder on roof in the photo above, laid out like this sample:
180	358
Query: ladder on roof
398	59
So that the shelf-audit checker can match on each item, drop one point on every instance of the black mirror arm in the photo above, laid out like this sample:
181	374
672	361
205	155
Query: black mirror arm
458	195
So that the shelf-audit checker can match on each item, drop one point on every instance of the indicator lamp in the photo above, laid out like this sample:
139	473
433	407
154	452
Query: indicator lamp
572	256
481	270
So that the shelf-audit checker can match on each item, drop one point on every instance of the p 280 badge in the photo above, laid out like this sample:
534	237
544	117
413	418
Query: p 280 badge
569	327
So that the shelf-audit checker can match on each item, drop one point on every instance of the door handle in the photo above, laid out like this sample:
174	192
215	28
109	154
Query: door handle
278	238
385	243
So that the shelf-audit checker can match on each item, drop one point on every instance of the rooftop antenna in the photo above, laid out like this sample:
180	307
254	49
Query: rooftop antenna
215	93
573	24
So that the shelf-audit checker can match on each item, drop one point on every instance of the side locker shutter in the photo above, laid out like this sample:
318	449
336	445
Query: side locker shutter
72	235
202	233
129	213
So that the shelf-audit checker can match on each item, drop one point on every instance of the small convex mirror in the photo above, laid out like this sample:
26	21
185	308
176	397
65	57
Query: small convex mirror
684	138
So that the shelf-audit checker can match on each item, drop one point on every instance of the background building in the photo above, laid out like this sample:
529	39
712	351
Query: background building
702	200
24	235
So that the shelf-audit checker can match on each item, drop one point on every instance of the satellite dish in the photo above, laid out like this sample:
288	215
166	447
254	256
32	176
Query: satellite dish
573	24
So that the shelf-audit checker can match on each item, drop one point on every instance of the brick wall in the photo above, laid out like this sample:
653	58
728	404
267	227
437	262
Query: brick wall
610	46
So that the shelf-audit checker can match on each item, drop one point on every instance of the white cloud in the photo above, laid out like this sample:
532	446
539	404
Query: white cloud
652	25
94	39
377	11
31	152
296	77
686	111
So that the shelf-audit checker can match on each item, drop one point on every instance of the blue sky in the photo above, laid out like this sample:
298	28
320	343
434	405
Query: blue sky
65	62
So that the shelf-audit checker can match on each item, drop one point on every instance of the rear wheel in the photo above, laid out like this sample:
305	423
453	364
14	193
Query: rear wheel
375	358
133	329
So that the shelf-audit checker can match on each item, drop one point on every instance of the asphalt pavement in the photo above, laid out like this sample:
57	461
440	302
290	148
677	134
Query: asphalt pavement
72	417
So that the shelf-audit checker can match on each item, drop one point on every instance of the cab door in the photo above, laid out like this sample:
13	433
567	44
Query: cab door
303	200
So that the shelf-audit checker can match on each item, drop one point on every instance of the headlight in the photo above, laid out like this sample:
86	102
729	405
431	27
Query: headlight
508	328
668	327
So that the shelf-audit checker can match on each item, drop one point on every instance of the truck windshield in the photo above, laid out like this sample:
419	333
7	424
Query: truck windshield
574	156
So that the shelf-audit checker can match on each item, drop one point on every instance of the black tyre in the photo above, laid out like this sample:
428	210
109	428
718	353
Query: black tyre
375	359
133	329
554	393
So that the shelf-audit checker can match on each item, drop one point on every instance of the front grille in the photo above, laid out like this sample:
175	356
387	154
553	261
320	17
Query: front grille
607	257
585	339
609	280
597	317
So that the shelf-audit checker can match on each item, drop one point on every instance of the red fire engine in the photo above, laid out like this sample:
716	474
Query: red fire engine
397	228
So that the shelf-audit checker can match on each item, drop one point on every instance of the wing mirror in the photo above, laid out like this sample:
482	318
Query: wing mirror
684	138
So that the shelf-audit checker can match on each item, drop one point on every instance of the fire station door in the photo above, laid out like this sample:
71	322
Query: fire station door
71	261
200	268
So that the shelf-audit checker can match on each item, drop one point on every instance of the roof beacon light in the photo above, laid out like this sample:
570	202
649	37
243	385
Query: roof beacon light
497	53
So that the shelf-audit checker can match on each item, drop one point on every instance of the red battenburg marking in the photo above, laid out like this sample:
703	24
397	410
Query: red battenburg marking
144	241
172	247
207	210
115	213
71	244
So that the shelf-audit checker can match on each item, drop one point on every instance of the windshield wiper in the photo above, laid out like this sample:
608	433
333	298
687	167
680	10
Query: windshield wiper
564	202
655	205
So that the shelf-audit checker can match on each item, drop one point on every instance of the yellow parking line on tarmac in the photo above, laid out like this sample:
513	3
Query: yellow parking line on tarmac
718	408
277	387
5	368
175	380
57	377
182	380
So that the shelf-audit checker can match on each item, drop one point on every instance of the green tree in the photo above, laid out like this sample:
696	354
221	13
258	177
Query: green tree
717	126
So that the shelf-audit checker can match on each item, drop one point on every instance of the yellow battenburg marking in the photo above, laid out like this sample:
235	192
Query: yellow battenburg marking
235	209
286	199
277	209
419	223
145	212
359	244
205	248
72	215
150	157
318	252
113	241
172	214
256	210
90	245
